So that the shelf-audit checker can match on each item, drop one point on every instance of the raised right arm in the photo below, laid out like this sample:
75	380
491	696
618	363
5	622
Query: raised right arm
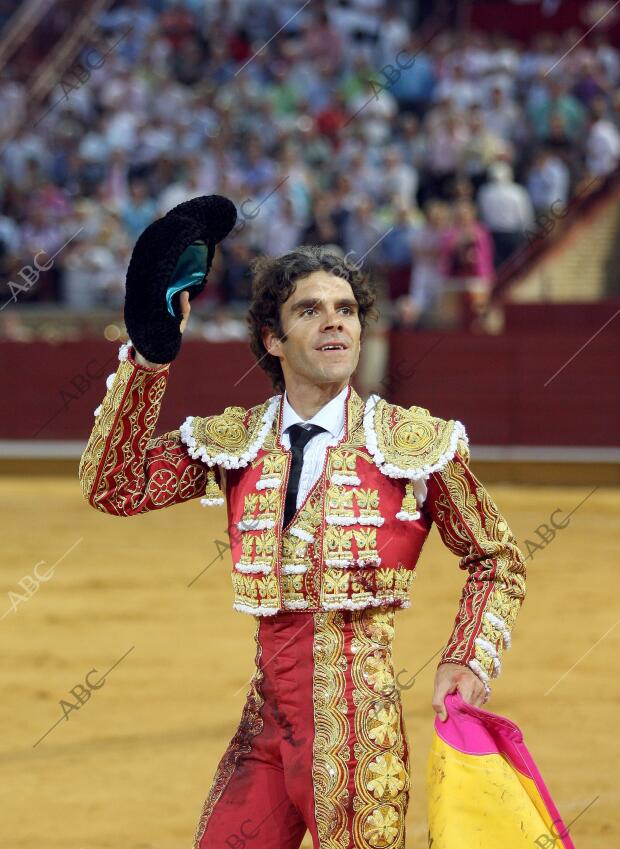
123	471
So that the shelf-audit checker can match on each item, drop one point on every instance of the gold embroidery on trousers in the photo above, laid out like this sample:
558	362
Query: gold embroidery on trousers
381	776
330	753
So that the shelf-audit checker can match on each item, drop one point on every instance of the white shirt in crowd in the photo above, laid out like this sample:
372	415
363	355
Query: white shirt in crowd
505	207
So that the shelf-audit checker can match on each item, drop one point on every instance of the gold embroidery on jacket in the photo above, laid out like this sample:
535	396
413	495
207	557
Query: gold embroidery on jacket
472	527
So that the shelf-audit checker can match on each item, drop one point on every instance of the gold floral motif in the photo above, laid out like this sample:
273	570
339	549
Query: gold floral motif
367	501
339	501
381	827
366	540
266	545
386	776
247	548
268	504
383	723
336	585
330	754
381	777
338	543
273	465
292	586
378	673
250	502
343	462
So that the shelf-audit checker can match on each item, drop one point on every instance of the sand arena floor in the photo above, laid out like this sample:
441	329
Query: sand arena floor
130	768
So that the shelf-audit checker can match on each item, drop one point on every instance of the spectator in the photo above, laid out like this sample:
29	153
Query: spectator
468	264
506	210
548	182
138	211
427	275
603	142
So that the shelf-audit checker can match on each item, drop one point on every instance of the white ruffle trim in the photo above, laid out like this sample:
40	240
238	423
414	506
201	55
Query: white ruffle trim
261	610
344	480
404	516
499	623
211	502
301	534
98	410
255	524
123	351
491	650
294	569
369	561
339	563
268	483
345	564
253	567
475	666
392	471
295	603
349	604
109	381
355	520
229	461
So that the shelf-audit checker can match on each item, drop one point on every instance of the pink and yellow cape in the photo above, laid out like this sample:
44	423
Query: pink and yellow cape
484	790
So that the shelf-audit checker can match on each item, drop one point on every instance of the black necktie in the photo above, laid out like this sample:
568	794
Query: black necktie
299	435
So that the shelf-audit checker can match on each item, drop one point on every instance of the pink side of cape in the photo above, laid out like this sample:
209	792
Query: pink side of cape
479	732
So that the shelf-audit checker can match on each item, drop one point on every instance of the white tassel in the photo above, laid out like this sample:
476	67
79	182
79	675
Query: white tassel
404	516
98	410
109	381
211	502
294	569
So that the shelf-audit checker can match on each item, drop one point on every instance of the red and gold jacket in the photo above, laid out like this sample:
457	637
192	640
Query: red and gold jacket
356	539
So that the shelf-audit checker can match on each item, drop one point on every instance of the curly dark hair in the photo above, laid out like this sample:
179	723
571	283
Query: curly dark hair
273	282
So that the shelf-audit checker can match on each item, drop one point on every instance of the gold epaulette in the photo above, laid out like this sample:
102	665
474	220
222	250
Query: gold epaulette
410	442
232	439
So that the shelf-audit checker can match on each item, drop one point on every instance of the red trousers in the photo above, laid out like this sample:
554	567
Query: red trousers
321	744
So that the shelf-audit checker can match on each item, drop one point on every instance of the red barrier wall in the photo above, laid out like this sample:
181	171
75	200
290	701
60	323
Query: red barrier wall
51	390
494	384
525	21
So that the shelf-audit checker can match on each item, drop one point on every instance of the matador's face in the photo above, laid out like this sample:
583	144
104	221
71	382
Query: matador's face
322	332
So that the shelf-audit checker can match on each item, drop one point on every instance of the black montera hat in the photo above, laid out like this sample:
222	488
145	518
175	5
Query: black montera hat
173	253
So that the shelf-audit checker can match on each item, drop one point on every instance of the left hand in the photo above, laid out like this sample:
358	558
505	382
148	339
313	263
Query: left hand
451	677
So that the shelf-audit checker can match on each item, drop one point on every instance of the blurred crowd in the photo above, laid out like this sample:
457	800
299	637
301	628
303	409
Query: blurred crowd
427	161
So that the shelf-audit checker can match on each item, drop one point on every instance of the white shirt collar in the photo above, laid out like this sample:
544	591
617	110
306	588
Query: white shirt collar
331	417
